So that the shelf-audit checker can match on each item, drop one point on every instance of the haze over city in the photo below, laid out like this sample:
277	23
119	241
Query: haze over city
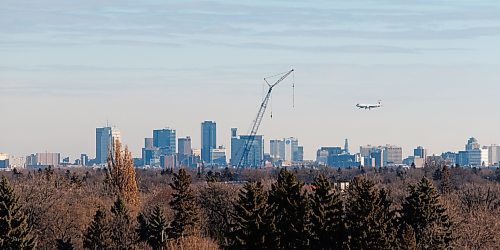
67	68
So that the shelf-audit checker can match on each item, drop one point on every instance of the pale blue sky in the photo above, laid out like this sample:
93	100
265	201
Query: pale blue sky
68	66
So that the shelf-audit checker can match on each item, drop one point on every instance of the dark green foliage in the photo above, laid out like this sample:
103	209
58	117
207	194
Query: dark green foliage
423	211
327	225
64	244
253	224
216	203
14	231
369	219
122	228
406	239
289	205
183	203
445	185
153	229
98	233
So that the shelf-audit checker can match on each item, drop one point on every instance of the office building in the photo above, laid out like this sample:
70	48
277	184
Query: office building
45	159
494	155
150	153
277	149
420	152
218	156
462	158
346	146
105	139
472	144
168	161
291	149
255	156
300	153
84	160
450	158
208	139
4	161
393	155
165	140
185	151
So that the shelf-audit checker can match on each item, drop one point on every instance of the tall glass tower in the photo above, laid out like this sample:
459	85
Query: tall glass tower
104	140
208	140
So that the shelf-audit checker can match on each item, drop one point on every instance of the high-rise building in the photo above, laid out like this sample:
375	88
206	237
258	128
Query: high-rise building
4	161
494	154
218	156
84	160
393	155
165	141
291	149
472	144
105	139
277	149
185	146
208	139
300	153
420	152
346	146
48	159
255	155
150	153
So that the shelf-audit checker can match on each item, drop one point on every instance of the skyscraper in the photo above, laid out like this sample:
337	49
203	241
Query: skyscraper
208	140
255	155
420	152
346	146
165	141
472	144
105	139
291	149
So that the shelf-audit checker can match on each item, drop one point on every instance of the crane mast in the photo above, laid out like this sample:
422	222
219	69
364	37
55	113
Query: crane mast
256	123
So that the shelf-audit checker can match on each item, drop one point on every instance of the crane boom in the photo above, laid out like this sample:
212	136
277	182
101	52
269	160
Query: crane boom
256	123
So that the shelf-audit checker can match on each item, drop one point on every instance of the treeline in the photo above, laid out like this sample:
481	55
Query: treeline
124	208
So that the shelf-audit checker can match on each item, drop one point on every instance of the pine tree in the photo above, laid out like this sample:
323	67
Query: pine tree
121	174
445	186
423	211
369	218
63	244
327	224
406	239
289	206
14	230
253	224
183	203
122	228
153	229
98	233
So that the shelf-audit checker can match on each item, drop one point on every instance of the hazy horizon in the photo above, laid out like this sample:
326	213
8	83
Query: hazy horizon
69	67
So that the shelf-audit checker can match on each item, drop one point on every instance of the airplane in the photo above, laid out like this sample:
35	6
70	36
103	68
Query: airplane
369	106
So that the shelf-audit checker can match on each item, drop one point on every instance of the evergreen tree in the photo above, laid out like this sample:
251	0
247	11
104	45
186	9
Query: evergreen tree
445	186
289	206
98	234
153	229
63	244
423	211
217	205
327	225
253	224
183	203
369	218
14	230
406	239
122	228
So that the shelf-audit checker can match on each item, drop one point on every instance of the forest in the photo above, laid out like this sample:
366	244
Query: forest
121	207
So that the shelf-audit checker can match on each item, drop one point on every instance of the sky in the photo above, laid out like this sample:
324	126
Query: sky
67	67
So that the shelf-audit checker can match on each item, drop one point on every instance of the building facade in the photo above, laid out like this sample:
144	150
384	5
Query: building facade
105	139
208	139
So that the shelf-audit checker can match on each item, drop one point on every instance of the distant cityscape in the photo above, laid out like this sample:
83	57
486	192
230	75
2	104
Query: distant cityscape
165	150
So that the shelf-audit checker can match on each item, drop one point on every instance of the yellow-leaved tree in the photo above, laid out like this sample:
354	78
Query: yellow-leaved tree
121	174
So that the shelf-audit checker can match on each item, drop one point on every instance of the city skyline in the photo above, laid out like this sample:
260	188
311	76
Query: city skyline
68	68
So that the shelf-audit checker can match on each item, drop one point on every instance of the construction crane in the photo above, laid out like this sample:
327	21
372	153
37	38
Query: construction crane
256	123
